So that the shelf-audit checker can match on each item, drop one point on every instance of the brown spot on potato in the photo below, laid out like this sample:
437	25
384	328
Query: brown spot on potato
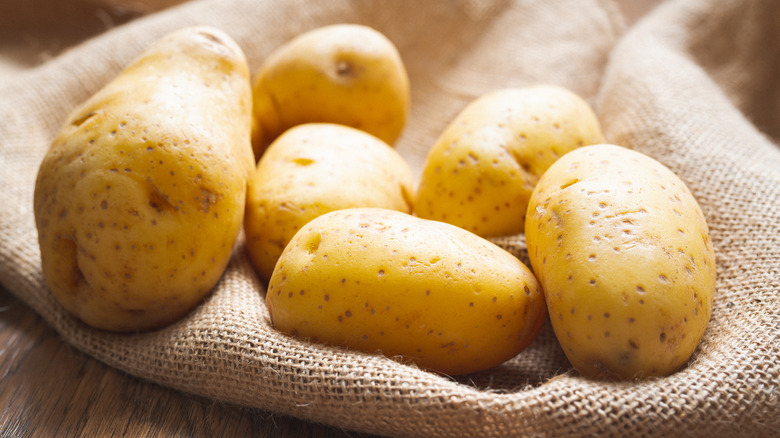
206	199
157	201
344	68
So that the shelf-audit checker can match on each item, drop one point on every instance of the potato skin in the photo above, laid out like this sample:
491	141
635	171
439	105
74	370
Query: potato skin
381	280
313	169
623	253
141	196
343	73
484	166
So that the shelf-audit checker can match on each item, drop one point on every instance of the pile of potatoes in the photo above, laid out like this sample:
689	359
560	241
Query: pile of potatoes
141	198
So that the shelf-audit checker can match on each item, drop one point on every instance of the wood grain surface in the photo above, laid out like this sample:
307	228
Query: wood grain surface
50	389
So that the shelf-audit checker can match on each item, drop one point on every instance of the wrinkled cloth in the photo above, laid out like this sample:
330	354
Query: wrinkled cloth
694	84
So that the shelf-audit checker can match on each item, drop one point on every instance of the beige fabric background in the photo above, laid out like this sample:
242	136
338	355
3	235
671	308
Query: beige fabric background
696	84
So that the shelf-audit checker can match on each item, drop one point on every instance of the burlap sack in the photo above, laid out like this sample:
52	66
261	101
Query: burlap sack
694	85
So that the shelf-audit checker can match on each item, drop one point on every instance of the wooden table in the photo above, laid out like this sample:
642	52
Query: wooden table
50	389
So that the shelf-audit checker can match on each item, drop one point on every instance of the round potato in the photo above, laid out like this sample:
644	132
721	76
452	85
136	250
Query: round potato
141	197
344	73
623	253
482	169
381	280
313	169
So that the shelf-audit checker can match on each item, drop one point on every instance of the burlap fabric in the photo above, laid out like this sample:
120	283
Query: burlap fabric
696	85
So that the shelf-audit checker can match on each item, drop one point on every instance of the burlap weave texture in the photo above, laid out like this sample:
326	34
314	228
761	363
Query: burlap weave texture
696	85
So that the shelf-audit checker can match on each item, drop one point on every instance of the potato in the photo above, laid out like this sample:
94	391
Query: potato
484	166
141	196
379	280
313	169
623	253
343	73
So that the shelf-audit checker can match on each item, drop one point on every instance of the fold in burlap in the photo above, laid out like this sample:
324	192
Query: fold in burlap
694	85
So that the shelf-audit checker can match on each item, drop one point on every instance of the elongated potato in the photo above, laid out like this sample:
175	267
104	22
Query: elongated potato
482	169
381	280
313	169
624	256
141	196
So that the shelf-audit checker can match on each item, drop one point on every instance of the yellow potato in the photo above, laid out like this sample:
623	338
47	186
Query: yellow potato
141	196
624	256
344	73
313	169
384	281
484	166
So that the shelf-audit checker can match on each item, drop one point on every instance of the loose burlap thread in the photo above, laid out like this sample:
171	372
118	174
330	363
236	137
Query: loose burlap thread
694	85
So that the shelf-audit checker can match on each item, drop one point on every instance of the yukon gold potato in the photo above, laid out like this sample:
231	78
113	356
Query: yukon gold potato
484	166
313	169
384	281
344	73
624	256
141	196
